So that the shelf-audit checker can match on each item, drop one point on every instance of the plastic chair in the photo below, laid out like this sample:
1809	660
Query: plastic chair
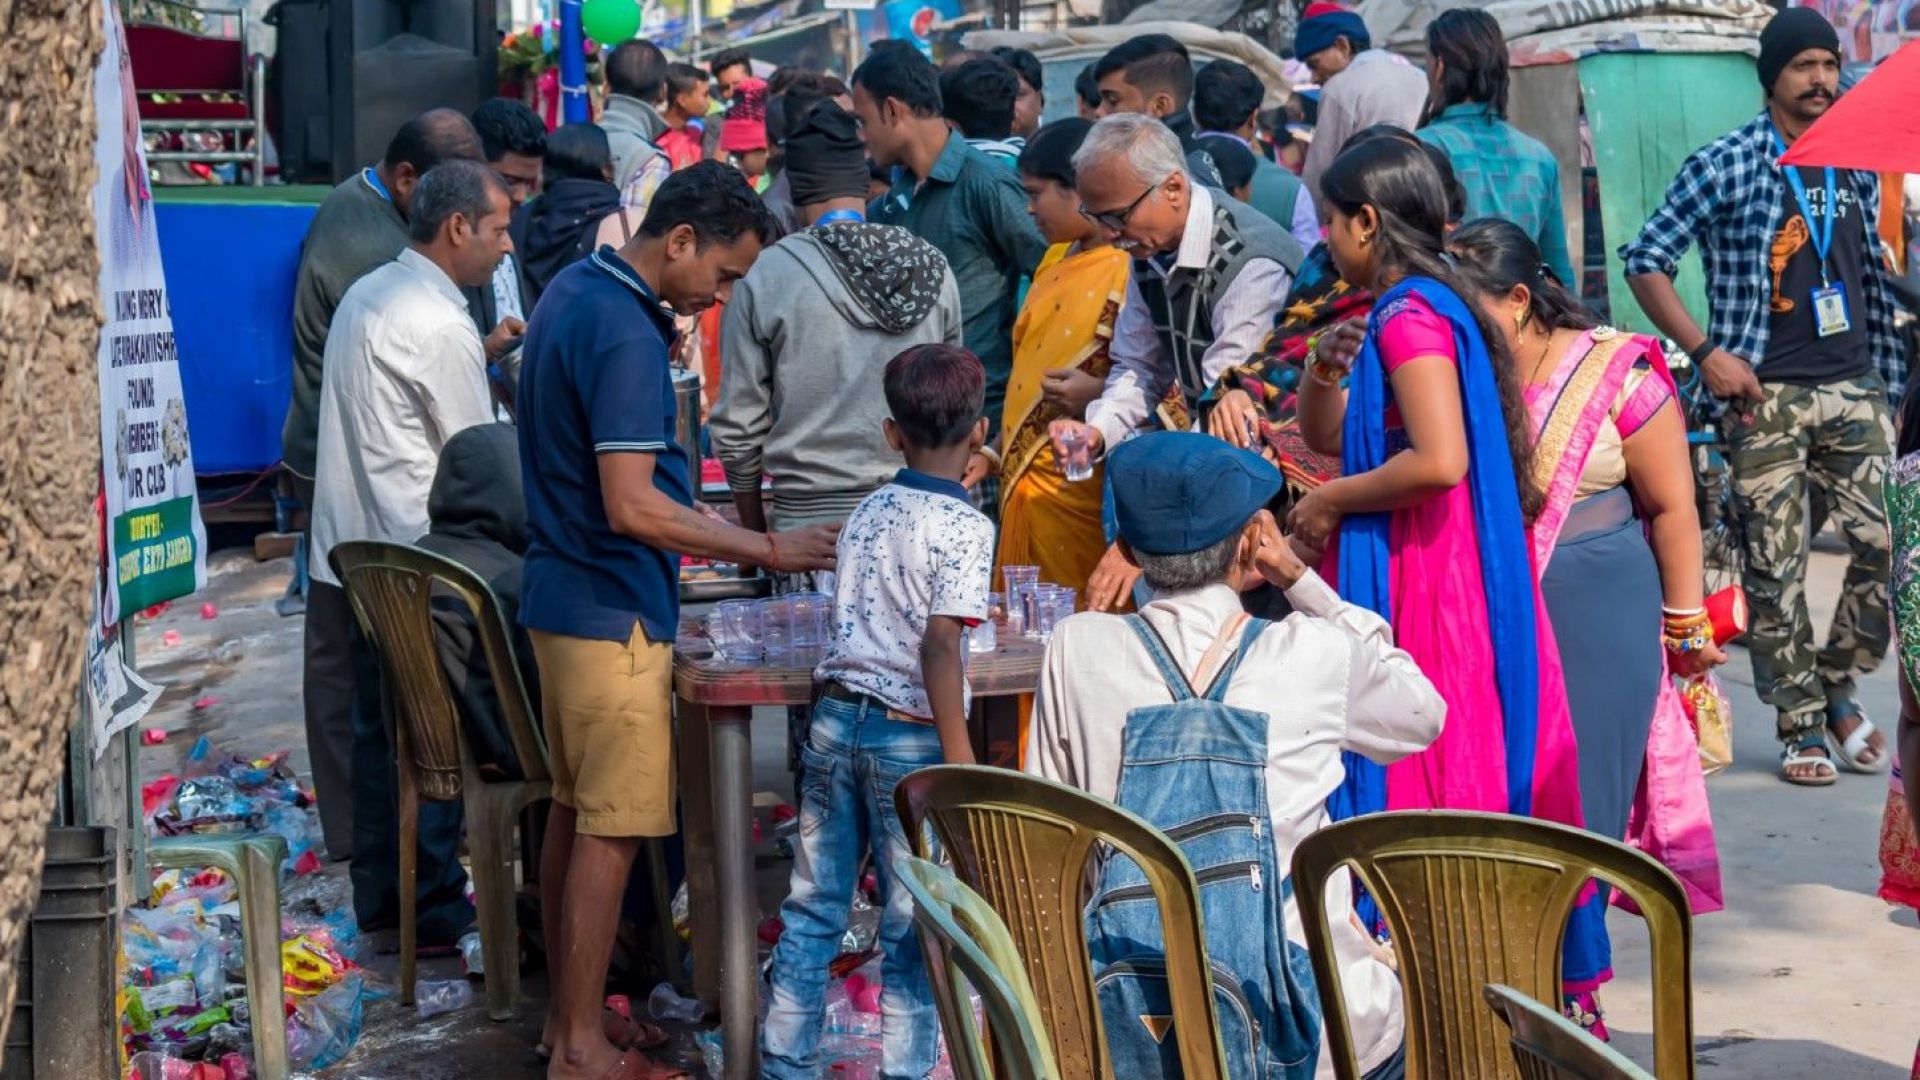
1548	1046
390	586
253	862
1027	845
1472	899
965	940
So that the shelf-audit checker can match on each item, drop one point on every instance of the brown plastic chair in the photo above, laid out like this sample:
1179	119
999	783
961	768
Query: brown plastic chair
968	945
1027	846
389	586
1548	1046
1472	899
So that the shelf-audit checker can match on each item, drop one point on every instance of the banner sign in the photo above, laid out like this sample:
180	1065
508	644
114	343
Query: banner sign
155	542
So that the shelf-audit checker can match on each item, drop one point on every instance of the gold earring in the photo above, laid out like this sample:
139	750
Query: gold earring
1365	239
1520	319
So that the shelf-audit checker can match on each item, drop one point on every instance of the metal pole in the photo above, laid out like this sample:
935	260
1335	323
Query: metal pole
573	65
695	20
853	41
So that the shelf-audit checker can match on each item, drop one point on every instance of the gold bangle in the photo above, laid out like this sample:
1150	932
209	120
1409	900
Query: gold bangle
992	455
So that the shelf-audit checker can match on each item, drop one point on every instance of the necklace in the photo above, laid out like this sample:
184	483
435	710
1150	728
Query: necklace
1546	346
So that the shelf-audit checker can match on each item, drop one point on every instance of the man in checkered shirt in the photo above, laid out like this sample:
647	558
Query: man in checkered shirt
1801	350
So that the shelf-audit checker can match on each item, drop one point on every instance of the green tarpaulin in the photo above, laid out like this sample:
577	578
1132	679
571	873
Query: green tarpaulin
1647	112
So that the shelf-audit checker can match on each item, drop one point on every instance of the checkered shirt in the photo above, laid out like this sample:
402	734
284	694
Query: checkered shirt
1505	173
1729	198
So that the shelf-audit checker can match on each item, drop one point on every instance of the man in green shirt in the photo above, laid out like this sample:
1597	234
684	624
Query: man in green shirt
955	198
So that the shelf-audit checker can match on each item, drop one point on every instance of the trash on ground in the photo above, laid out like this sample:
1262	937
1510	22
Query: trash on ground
448	995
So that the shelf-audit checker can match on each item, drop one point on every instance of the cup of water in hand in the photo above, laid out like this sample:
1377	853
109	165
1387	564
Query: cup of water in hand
1078	464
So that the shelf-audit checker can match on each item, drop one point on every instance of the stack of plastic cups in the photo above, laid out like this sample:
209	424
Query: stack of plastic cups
736	628
776	635
811	614
1021	580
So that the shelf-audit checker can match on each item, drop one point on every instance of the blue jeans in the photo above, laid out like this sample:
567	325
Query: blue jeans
853	758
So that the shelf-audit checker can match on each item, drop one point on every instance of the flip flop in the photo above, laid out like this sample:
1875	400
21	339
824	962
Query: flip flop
624	1032
1825	773
1848	751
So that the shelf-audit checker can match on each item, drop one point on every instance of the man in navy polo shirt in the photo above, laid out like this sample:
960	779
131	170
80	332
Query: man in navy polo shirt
609	512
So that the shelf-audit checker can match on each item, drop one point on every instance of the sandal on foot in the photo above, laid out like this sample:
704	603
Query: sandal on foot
1858	742
624	1032
1824	775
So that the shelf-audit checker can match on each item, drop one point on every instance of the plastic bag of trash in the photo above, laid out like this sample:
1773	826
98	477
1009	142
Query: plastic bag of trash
325	1026
433	998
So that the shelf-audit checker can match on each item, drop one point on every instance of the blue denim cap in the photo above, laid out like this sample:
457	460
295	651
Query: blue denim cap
1176	492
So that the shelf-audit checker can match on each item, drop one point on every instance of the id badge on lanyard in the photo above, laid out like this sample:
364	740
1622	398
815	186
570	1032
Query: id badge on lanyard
1830	315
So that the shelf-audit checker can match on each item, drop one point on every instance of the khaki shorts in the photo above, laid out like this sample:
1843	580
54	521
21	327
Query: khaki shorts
608	713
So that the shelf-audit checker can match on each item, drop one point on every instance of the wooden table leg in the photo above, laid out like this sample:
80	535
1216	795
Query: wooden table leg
729	733
696	810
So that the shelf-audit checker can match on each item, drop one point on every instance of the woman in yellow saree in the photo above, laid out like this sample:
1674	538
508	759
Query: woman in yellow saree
1060	364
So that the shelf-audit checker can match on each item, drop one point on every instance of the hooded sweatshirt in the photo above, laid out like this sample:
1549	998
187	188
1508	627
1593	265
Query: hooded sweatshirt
806	337
557	228
478	518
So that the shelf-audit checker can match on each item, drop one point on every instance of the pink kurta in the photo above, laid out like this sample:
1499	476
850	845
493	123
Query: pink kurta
1439	616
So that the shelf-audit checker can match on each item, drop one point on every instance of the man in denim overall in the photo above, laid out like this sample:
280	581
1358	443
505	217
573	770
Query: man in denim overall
1292	696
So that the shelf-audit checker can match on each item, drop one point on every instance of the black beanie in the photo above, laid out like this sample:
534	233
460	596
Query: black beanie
1790	33
825	156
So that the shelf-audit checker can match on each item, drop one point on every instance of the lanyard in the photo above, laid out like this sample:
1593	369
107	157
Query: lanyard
1822	240
835	217
373	181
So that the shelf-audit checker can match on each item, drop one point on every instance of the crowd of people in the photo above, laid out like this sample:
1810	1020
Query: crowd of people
1373	507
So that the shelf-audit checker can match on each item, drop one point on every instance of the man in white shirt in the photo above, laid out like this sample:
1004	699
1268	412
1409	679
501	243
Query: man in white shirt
1328	677
1360	86
405	371
1209	273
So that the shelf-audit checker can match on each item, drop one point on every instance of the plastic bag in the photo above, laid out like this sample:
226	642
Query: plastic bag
325	1026
434	998
1712	716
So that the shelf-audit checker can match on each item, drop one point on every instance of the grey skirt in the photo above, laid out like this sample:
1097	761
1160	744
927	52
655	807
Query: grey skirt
1602	589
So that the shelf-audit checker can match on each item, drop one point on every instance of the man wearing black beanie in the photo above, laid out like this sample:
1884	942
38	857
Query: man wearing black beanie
812	327
1801	351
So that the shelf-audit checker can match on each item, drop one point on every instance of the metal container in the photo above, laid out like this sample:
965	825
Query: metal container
686	426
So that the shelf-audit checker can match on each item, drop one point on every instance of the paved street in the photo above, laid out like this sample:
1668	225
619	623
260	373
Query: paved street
1804	975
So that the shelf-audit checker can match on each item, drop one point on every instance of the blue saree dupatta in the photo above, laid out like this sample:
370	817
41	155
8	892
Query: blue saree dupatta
1505	563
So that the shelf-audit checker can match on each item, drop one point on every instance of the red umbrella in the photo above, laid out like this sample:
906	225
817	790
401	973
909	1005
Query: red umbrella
1875	126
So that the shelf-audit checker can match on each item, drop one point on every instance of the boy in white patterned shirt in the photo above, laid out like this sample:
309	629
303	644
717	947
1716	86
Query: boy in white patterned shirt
915	563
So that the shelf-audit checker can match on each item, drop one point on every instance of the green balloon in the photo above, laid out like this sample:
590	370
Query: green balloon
610	22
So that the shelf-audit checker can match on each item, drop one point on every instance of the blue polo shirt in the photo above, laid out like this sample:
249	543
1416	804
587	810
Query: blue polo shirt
595	379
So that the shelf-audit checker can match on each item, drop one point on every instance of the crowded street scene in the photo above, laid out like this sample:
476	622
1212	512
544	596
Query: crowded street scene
925	539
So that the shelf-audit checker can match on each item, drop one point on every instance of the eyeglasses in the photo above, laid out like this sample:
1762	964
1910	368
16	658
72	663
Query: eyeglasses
1116	220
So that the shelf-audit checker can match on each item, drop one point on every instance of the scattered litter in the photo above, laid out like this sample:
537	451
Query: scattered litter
665	1003
156	610
184	1005
434	998
473	954
209	610
170	638
153	736
206	702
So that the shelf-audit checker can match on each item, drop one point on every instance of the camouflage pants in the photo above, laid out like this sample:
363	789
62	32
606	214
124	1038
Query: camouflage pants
1834	441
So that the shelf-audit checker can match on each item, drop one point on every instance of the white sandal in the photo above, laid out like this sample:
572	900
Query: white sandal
1825	774
1848	751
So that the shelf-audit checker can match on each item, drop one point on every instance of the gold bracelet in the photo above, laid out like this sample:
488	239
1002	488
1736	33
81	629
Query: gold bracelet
992	455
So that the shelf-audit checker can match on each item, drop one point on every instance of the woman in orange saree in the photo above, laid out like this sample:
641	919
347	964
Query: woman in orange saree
1060	363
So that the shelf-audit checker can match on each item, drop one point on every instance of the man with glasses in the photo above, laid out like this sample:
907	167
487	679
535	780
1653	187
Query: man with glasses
1209	274
515	140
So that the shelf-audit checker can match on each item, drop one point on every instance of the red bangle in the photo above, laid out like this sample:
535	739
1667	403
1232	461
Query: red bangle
773	552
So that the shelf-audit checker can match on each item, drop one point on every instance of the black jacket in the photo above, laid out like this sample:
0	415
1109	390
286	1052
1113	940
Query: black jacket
478	515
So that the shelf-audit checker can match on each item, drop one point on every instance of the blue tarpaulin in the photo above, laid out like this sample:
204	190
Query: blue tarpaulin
230	268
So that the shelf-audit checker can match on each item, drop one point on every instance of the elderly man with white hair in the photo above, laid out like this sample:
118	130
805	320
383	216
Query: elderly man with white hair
1209	273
